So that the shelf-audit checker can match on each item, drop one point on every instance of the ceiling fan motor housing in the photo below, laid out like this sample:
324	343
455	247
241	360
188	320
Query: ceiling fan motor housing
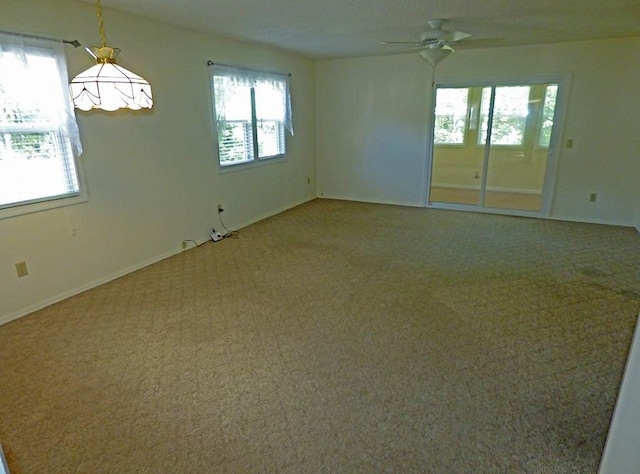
432	36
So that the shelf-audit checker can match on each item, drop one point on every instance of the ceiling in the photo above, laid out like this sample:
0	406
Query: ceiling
345	28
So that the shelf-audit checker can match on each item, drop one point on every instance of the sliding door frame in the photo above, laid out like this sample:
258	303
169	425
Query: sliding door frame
555	144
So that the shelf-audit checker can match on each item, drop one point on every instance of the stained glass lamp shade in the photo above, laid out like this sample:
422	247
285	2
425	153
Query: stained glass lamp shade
108	86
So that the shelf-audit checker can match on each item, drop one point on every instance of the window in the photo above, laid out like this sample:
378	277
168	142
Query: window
252	111
39	141
451	116
510	112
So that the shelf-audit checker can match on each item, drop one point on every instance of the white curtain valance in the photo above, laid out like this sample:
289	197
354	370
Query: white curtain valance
27	92
251	77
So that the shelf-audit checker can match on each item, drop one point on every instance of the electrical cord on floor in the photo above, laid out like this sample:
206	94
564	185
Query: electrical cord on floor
234	234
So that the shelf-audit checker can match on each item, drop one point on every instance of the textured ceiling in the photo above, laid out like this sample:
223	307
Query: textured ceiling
343	28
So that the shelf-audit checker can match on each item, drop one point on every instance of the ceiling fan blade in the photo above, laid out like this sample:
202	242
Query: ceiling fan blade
448	48
481	43
404	51
414	43
455	36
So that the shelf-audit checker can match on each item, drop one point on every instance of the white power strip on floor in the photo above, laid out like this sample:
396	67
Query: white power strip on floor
216	236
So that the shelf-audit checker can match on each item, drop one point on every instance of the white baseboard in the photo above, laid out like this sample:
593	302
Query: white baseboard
511	212
370	201
63	296
589	220
273	213
67	294
56	299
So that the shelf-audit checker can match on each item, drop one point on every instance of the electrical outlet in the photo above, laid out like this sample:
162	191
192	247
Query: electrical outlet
21	269
220	209
593	197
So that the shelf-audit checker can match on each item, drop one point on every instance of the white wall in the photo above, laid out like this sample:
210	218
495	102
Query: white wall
622	451
371	128
151	175
372	123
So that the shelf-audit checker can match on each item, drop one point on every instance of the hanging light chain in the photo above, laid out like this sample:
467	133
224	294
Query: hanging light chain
103	36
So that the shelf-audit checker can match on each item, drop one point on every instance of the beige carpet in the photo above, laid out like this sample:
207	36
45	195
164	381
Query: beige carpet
335	337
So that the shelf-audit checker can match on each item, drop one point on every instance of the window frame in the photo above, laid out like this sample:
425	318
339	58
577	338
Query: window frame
253	76
65	132
465	127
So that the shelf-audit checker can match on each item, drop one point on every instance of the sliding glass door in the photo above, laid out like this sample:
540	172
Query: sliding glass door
491	146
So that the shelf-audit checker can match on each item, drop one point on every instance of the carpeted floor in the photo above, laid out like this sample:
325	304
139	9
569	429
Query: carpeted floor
335	337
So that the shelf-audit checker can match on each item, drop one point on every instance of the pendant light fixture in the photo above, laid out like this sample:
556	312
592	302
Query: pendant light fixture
106	85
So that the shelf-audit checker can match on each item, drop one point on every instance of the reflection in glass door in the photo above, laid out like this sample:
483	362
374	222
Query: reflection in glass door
491	145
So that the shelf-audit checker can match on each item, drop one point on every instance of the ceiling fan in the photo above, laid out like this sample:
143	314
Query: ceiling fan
435	44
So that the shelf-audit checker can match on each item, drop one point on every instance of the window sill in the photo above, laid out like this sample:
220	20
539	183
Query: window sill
22	209
251	164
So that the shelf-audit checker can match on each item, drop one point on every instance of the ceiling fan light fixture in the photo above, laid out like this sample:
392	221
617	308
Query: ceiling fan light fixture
106	85
434	55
